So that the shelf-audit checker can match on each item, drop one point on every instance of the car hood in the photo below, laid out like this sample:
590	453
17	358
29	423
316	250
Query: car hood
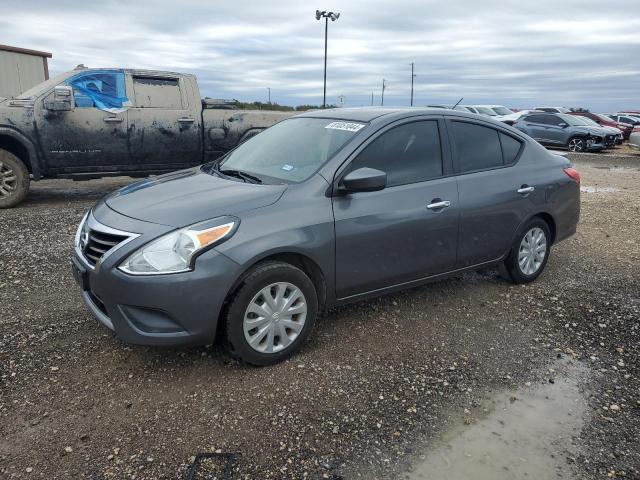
189	196
591	130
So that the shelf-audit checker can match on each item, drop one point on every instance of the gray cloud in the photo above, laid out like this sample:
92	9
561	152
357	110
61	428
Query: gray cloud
491	51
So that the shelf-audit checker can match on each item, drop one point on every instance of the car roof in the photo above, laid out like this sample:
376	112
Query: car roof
367	114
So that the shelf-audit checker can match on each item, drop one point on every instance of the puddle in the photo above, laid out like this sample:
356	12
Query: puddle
526	434
589	189
615	168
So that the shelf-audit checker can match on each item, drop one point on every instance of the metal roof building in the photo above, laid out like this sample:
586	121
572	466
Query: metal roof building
21	69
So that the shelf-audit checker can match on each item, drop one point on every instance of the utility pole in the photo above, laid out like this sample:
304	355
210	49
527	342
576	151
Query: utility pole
413	75
333	16
372	99
384	85
269	88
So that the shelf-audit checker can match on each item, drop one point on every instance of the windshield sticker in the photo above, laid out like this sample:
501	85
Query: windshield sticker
348	126
286	167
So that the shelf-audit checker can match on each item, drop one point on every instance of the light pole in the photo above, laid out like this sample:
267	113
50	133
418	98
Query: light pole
413	75
384	85
269	89
333	16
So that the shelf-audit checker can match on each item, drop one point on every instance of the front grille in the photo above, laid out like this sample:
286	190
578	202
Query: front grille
99	243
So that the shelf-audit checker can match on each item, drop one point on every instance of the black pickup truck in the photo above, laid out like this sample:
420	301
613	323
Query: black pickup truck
92	123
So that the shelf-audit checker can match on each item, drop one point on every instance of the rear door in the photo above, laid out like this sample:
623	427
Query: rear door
396	235
489	179
165	124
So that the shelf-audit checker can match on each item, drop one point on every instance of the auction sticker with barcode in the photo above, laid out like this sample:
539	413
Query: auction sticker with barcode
348	126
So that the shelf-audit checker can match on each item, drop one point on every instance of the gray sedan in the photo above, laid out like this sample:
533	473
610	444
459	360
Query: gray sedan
322	209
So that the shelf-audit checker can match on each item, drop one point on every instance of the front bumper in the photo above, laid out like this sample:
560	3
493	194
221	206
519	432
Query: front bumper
173	309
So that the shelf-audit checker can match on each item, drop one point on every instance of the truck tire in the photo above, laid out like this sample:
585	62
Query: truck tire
14	180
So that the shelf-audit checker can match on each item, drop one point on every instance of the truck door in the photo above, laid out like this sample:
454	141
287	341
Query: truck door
165	124
92	136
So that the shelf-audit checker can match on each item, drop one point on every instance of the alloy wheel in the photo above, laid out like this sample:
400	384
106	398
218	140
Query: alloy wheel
576	145
8	180
275	317
533	249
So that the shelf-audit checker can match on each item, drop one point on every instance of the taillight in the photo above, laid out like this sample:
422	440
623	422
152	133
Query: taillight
573	174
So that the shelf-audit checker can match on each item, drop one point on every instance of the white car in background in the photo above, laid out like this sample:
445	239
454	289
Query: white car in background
497	112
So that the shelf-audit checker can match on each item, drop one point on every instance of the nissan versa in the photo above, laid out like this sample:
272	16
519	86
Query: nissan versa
321	209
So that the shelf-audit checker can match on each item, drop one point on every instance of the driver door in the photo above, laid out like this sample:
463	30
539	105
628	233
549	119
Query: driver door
392	236
87	138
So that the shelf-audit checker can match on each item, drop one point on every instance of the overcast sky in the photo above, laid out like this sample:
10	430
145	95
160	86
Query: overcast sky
521	54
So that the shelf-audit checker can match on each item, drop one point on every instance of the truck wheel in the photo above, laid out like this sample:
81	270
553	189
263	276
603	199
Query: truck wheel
14	180
271	314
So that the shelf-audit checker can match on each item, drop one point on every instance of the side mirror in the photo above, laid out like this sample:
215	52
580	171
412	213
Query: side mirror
61	99
563	125
364	180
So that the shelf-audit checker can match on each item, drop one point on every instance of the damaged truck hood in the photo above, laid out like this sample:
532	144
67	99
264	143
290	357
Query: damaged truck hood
186	197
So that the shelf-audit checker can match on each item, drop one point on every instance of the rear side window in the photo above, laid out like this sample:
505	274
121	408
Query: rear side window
535	118
408	153
153	92
510	148
477	147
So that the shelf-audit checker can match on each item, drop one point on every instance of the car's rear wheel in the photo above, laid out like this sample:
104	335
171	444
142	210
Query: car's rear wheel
14	180
576	144
271	314
529	254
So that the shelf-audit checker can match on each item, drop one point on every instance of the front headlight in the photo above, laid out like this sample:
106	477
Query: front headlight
175	251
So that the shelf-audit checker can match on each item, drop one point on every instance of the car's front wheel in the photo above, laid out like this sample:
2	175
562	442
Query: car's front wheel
271	314
576	144
529	254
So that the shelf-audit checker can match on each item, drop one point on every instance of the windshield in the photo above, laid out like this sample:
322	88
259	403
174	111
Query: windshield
486	111
604	117
588	121
44	86
291	150
502	110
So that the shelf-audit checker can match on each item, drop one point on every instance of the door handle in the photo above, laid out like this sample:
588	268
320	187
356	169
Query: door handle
525	190
113	119
186	120
437	204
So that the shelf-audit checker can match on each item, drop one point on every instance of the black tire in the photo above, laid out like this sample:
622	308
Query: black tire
259	277
577	144
511	269
14	180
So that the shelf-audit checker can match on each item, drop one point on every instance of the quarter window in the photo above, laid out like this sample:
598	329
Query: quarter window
408	153
477	147
510	148
154	92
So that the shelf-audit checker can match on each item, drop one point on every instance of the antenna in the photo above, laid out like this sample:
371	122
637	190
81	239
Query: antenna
458	103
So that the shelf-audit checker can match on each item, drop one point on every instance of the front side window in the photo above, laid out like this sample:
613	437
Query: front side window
155	92
407	153
99	89
477	147
292	150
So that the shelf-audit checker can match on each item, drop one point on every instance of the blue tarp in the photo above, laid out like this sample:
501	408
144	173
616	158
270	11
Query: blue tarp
102	89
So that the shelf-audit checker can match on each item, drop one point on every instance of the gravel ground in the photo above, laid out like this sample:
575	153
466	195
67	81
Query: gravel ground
375	386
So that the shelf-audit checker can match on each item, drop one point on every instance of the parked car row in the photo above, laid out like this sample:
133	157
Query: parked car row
575	129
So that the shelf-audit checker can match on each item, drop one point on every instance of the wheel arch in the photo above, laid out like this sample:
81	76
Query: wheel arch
299	260
20	146
543	215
